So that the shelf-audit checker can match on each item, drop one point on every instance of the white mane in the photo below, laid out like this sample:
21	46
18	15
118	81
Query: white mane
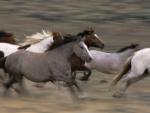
34	38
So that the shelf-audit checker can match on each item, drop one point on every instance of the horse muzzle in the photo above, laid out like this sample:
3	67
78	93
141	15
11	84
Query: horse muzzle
89	59
101	46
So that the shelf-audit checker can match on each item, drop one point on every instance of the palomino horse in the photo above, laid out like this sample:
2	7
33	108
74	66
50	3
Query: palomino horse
109	63
137	68
7	37
52	65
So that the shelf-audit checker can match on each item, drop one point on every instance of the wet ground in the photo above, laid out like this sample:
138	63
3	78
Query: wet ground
118	22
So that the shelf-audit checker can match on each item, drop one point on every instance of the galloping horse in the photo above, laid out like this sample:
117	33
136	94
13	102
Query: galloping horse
39	46
137	68
7	37
52	65
91	40
109	63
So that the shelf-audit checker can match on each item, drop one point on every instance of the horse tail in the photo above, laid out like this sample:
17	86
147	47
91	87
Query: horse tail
2	54
125	69
2	62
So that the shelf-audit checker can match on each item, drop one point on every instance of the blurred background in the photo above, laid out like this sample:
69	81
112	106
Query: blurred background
117	22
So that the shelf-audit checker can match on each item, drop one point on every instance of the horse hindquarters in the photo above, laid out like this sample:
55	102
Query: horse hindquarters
138	72
125	69
2	60
8	84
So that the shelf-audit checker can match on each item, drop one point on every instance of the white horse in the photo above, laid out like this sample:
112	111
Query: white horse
137	68
40	42
109	63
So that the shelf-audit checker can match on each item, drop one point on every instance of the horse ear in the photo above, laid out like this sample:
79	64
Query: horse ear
91	29
134	45
44	32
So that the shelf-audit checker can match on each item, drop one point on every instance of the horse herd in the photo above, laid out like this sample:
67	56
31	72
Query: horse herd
51	56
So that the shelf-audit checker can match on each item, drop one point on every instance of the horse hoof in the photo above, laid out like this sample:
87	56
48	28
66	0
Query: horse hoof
83	96
5	94
103	81
118	95
39	85
84	79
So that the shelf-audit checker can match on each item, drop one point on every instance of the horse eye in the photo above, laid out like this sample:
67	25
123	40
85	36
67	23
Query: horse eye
82	47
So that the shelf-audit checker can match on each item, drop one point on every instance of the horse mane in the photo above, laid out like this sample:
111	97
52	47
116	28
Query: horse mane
86	32
70	38
5	34
67	39
132	46
37	37
40	35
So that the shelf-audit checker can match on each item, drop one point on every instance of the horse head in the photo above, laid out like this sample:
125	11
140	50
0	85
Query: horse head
81	50
92	39
57	36
7	37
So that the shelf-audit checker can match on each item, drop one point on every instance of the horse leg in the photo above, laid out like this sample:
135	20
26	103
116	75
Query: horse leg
39	85
8	84
21	89
72	91
128	81
86	75
73	74
77	86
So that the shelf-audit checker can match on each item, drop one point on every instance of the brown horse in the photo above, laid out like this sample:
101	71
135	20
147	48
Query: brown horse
7	37
91	40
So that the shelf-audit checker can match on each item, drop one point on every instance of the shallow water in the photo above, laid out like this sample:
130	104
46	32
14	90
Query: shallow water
118	22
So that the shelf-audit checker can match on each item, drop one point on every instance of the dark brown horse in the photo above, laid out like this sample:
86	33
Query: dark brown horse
91	40
7	37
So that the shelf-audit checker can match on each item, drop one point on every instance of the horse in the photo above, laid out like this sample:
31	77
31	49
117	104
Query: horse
52	65
39	46
137	68
91	40
7	37
109	63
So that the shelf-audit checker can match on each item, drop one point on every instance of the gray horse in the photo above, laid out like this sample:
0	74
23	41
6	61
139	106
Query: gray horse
52	65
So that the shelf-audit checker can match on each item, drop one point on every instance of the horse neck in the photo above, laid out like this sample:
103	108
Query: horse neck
42	45
125	54
65	50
